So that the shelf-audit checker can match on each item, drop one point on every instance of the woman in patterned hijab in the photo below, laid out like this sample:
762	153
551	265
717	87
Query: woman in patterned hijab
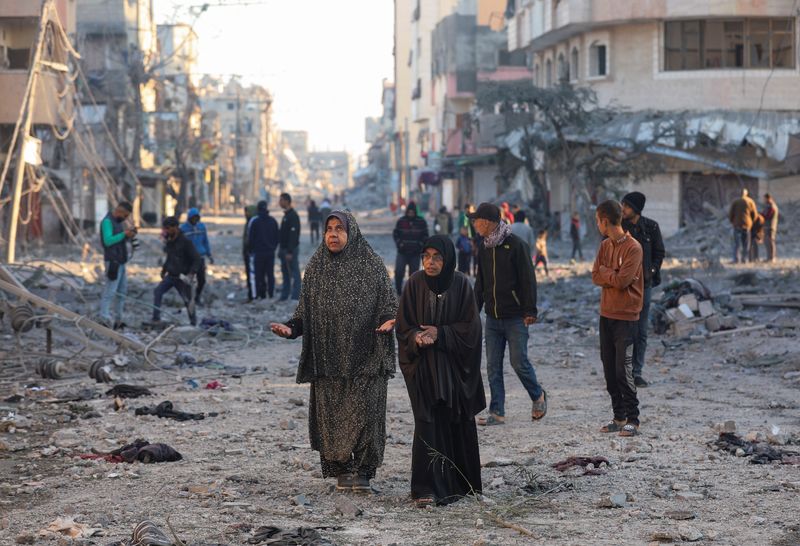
346	311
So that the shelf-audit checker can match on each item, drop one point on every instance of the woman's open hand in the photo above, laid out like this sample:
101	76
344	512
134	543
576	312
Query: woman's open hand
280	330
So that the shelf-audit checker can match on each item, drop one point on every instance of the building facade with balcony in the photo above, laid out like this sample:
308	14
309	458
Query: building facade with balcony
727	70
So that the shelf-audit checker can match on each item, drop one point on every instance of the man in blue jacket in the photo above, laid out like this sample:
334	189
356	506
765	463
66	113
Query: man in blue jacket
196	232
263	237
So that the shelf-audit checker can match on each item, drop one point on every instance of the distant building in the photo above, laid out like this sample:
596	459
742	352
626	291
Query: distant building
333	166
237	123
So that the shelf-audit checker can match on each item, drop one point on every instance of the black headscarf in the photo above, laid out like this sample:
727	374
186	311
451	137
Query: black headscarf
444	245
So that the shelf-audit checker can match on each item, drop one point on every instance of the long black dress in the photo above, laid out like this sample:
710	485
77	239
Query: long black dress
444	383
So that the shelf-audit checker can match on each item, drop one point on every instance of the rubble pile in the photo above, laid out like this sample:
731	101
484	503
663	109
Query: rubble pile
713	238
369	197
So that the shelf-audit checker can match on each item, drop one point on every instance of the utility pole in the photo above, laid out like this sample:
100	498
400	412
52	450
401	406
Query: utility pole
28	105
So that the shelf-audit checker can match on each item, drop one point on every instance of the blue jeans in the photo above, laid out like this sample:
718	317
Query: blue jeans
640	338
515	333
116	289
741	245
291	274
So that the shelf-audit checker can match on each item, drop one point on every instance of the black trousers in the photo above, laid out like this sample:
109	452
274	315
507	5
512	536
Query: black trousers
464	259
248	268
201	279
168	283
314	232
576	248
264	273
616	352
404	260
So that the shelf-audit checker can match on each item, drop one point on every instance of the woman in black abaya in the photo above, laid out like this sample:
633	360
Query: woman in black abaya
439	342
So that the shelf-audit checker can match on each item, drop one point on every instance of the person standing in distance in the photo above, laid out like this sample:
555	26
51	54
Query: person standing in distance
289	249
409	234
114	237
196	232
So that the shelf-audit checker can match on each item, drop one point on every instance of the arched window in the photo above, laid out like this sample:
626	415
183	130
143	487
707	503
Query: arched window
562	69
537	80
598	60
548	73
573	65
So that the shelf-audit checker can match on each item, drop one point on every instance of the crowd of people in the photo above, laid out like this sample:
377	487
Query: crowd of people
483	259
348	308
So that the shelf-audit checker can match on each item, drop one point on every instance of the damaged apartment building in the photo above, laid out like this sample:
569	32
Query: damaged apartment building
21	24
725	74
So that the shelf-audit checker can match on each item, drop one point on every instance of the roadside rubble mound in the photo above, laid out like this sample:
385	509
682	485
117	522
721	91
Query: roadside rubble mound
712	237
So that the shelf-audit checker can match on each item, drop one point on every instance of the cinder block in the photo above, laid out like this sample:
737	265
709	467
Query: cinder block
713	323
690	300
705	308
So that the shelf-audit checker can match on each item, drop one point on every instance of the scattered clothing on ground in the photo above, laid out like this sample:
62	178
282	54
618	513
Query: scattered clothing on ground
166	410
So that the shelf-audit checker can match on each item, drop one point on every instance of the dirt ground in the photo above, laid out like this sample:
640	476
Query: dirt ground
251	465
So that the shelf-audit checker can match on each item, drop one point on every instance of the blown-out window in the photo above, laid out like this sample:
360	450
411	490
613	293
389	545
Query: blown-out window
729	43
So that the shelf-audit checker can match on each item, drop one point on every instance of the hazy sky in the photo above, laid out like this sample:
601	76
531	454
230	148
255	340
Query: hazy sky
323	60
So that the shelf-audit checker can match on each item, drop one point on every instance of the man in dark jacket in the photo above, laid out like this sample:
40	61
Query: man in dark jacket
179	269
647	232
114	237
289	249
409	234
506	287
262	241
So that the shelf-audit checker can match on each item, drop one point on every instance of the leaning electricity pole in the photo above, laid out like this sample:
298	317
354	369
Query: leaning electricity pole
28	105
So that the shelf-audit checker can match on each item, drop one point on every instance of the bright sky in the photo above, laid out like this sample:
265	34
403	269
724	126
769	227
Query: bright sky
323	60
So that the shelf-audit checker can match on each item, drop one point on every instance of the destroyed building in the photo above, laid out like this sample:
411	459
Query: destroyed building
722	74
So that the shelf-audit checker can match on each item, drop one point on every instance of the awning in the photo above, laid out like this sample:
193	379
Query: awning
706	138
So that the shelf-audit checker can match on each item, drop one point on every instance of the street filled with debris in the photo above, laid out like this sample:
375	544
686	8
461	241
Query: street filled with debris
205	432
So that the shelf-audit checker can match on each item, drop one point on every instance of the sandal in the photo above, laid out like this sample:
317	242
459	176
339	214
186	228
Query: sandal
613	426
491	420
424	502
629	430
540	406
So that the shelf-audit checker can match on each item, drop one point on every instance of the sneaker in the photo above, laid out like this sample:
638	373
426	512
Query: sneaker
344	482
640	382
361	484
119	325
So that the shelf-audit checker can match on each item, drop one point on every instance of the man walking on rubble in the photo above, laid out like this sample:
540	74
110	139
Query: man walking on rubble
742	214
506	287
196	232
180	267
114	237
647	232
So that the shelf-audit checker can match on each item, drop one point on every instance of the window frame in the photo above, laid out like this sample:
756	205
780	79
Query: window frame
776	28
594	60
